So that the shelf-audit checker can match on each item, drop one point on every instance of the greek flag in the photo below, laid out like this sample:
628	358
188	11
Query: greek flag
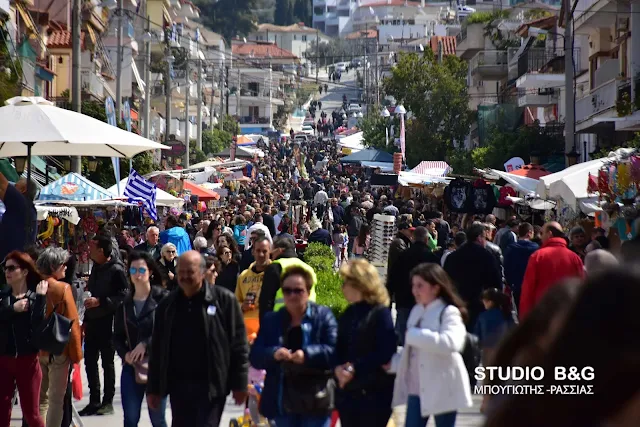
140	190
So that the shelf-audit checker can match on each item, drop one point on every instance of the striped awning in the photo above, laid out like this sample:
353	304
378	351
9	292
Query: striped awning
74	187
432	168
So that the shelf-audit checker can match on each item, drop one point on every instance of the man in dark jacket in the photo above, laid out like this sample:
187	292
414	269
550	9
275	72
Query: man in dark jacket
200	349
108	285
355	223
474	269
268	221
400	286
516	259
152	245
398	246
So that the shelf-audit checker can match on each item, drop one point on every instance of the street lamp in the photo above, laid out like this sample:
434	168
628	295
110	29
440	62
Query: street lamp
385	113
400	110
360	115
93	164
66	164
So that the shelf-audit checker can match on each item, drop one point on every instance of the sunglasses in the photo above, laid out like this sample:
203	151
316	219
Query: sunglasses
141	270
292	291
11	268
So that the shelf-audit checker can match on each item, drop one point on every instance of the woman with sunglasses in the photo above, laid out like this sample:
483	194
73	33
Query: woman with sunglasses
22	309
296	346
228	276
168	263
132	332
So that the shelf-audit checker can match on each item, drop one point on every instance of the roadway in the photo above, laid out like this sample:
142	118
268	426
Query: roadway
467	418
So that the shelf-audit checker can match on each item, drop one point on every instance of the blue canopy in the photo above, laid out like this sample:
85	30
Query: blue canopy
368	155
74	187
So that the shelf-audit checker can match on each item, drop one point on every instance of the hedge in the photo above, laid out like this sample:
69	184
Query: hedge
329	288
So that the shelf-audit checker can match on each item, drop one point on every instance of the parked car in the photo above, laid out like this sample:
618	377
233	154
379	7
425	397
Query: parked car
341	67
301	137
307	129
355	108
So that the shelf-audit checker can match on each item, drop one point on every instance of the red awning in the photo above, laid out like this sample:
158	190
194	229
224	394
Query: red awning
202	193
531	171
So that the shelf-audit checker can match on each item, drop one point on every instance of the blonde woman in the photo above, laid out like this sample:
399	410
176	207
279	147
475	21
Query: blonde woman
167	264
366	342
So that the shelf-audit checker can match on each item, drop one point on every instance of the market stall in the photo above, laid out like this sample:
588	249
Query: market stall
74	187
162	197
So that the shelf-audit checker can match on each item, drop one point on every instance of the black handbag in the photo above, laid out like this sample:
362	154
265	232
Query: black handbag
53	334
470	353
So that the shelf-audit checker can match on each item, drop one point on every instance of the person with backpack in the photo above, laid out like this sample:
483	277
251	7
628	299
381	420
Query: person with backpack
431	377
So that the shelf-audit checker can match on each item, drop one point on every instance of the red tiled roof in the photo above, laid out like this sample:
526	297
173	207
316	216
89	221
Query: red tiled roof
391	3
371	33
448	44
63	40
261	50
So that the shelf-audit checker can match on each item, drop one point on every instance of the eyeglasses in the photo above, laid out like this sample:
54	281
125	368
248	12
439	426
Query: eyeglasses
141	270
11	268
292	291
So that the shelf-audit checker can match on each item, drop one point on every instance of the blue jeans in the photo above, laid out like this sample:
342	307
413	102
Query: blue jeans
302	421
132	396
402	315
415	419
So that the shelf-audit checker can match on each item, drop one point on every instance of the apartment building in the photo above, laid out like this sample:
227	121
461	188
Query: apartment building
607	96
295	38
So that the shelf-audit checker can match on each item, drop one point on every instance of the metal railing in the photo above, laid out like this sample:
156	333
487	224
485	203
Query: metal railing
462	35
489	58
253	120
532	60
598	100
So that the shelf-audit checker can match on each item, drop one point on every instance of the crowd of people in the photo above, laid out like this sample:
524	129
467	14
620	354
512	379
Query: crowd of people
195	305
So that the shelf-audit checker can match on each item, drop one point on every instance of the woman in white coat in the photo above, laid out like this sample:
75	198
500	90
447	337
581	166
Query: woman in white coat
431	377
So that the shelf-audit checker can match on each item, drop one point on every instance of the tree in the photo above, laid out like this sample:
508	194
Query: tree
230	125
436	95
373	131
303	11
230	18
290	17
215	140
280	13
329	52
196	155
503	144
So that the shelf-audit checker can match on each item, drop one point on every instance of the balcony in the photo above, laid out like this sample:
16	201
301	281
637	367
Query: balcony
601	102
609	69
537	97
92	84
489	64
593	14
533	60
253	120
470	41
175	128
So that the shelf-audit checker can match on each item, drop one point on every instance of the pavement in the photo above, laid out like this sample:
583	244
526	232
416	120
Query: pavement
466	418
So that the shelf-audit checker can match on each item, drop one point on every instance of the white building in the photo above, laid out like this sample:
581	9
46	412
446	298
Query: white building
296	38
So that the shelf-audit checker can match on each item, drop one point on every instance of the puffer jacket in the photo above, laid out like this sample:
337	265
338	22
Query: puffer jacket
320	335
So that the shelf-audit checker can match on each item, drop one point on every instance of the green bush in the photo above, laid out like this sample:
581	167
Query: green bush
329	292
318	249
329	288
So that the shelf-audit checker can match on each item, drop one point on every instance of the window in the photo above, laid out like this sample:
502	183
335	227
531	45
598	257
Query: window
295	37
304	38
254	112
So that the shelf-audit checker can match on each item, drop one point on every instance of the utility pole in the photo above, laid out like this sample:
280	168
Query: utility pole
223	91
317	53
376	78
119	11
76	92
213	93
570	115
227	92
167	95
187	100
238	90
199	106
147	86
366	64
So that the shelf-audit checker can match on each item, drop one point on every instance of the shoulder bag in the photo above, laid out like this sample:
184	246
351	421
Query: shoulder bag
141	367
470	353
53	334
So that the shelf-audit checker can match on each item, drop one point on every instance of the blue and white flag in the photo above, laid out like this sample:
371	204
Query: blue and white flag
139	190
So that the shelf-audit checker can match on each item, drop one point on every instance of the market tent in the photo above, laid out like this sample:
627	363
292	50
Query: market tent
241	151
352	142
531	171
522	184
244	140
410	178
383	166
202	193
74	187
162	197
368	155
570	184
433	168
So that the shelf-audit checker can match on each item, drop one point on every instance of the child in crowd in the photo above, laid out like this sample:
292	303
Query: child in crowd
492	325
340	243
